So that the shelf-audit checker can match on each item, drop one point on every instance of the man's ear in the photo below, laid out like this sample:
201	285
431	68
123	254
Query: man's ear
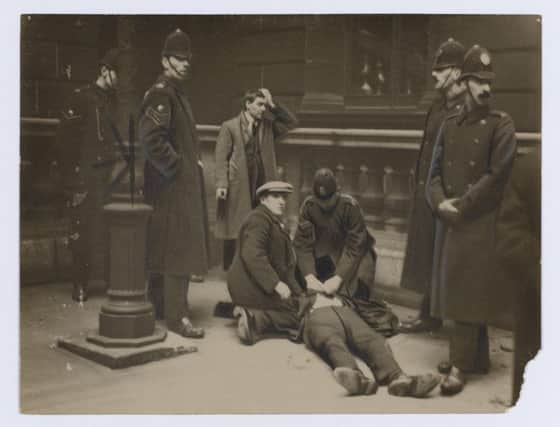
456	73
104	70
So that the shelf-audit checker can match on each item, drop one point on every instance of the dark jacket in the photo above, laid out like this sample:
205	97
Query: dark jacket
336	233
85	146
264	256
518	236
417	267
231	164
173	182
472	161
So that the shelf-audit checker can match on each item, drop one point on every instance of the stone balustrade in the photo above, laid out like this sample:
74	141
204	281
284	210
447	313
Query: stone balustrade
375	166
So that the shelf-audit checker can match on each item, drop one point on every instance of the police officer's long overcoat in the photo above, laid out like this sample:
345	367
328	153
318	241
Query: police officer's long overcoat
264	256
417	268
85	153
173	182
231	164
472	161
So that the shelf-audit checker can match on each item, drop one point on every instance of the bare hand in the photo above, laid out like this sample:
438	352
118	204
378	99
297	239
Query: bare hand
78	198
313	283
221	193
267	97
283	290
331	285
448	205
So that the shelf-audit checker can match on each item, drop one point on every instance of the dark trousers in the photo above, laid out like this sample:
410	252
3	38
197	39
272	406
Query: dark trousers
168	294
469	348
527	333
229	252
335	333
88	236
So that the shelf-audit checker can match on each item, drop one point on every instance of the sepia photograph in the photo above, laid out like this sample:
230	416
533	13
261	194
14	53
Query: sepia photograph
296	213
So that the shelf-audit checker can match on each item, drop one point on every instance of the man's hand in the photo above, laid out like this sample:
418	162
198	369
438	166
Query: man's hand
313	283
267	97
78	198
283	290
331	285
221	193
448	211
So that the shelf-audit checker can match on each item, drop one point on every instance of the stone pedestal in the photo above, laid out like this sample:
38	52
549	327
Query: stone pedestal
127	316
127	333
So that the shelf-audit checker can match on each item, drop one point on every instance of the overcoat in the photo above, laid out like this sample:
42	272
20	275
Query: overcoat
338	232
417	267
472	160
177	240
519	247
264	256
231	164
85	154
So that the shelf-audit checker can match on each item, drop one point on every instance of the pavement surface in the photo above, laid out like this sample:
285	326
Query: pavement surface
275	376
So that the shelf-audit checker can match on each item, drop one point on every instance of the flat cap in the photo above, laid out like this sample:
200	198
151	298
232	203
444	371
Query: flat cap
275	187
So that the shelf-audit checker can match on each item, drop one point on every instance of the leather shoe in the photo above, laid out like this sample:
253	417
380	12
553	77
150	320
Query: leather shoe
79	293
355	382
420	325
453	383
187	330
246	329
413	386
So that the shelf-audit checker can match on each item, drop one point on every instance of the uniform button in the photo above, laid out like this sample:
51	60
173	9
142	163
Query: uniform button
421	182
483	122
98	158
449	163
77	169
449	187
472	163
476	141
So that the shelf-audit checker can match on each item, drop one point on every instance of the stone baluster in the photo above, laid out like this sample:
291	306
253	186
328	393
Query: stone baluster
398	186
372	197
307	181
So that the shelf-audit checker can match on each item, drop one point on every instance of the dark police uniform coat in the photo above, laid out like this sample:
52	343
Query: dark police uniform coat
472	161
264	256
339	234
85	154
417	268
231	164
173	182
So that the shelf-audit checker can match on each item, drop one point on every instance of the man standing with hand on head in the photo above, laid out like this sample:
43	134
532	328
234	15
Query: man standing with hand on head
245	160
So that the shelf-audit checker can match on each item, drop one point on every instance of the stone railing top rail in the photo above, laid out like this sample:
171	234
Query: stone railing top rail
364	138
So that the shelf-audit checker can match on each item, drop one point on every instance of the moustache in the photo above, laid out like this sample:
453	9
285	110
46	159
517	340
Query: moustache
485	95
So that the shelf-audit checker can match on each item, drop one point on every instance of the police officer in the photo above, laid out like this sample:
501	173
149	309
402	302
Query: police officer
417	268
85	154
334	247
470	168
177	244
335	252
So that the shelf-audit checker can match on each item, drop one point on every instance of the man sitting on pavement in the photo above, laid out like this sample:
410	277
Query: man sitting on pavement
269	297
